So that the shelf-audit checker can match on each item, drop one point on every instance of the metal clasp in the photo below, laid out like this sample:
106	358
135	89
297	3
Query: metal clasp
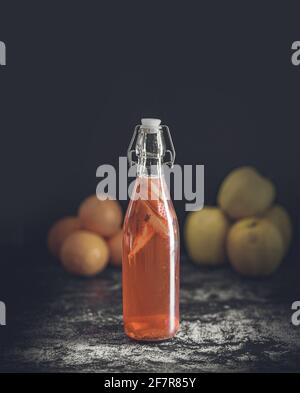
172	152
130	151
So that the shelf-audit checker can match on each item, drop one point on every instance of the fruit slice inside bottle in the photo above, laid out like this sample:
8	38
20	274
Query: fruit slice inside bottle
153	218
141	240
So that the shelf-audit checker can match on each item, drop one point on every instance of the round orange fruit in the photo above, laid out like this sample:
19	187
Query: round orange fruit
60	231
102	217
115	248
84	253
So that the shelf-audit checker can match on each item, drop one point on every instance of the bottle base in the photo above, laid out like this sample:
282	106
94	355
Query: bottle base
148	338
149	330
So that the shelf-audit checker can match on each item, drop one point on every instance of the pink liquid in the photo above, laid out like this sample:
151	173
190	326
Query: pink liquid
151	265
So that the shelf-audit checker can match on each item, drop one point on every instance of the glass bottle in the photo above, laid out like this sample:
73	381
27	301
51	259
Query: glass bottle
151	241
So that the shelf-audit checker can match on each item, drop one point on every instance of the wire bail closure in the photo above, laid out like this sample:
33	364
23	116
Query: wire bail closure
139	138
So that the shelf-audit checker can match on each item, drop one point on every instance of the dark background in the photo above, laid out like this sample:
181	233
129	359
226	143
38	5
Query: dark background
79	77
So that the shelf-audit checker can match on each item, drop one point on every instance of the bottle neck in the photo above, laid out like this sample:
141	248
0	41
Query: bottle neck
149	167
150	151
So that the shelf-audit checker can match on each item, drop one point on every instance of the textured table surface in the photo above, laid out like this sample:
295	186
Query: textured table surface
56	322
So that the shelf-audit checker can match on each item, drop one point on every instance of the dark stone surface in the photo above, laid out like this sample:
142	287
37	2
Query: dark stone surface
56	322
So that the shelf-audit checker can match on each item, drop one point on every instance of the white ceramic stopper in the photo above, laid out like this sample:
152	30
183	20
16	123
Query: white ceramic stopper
151	123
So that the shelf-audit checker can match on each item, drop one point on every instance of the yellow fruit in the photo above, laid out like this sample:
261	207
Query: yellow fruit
255	247
244	193
115	248
102	217
280	217
205	234
84	253
60	231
